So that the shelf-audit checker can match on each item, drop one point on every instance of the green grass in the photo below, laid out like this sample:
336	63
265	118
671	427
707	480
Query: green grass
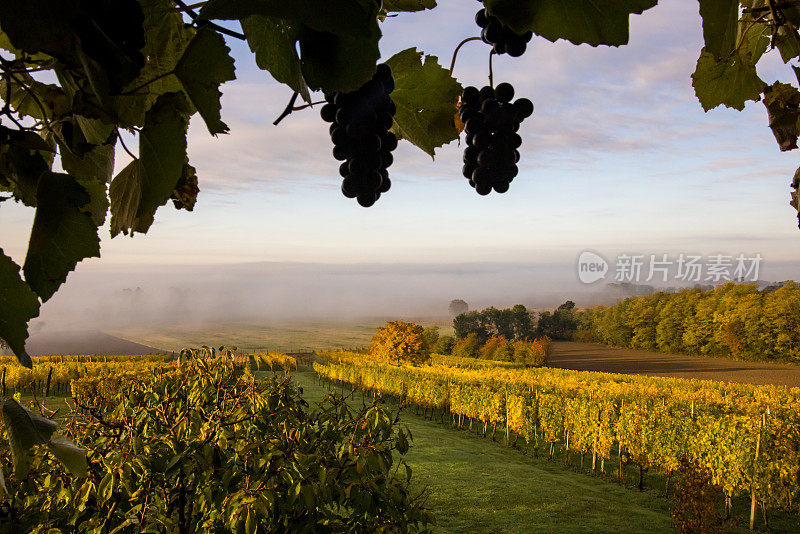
477	485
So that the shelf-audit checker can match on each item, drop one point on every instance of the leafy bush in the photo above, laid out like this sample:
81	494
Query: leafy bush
399	341
497	348
206	448
444	345
467	347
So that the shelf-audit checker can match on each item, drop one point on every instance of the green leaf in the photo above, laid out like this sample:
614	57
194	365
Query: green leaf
408	5
19	304
25	429
338	38
69	454
63	234
274	42
783	109
338	62
147	183
205	65
24	158
98	201
786	41
720	24
595	22
167	38
95	165
51	97
334	16
125	195
732	80
95	131
426	96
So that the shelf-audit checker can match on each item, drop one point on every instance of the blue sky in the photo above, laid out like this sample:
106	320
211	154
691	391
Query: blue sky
617	156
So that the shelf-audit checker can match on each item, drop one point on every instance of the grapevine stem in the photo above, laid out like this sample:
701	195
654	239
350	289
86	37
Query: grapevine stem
491	74
193	14
455	52
288	110
123	145
304	106
145	84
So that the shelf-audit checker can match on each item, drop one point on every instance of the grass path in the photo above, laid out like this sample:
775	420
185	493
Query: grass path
477	485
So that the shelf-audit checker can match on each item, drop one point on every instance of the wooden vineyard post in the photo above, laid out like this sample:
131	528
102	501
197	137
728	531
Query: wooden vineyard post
619	440
47	385
508	437
753	480
4	381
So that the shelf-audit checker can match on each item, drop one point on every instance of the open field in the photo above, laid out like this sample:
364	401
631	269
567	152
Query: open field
477	485
597	357
280	337
82	342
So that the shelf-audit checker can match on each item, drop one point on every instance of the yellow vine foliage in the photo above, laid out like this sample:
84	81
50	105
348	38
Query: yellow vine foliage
399	342
656	422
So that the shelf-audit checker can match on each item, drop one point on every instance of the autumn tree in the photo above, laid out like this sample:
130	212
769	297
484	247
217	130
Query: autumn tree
399	342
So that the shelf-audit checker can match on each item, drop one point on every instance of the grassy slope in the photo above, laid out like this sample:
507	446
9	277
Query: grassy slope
480	486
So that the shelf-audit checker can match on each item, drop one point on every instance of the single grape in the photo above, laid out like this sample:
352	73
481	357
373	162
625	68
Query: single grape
504	92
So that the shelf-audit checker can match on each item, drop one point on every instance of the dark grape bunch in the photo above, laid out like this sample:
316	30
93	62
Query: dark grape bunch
361	138
491	122
503	39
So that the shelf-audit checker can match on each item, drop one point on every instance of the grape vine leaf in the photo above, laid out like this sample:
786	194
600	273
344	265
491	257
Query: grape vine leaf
19	304
63	234
732	80
167	38
426	96
332	62
25	430
95	164
338	38
408	5
333	16
594	22
205	65
147	183
274	43
52	99
720	24
787	41
69	454
783	109
125	195
24	158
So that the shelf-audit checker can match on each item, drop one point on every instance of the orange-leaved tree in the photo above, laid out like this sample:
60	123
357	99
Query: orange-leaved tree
399	341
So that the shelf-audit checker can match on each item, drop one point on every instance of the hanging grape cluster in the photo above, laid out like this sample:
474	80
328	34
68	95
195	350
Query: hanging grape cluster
503	39
491	121
361	138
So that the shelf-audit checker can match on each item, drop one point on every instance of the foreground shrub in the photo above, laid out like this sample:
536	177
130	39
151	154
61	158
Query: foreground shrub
206	448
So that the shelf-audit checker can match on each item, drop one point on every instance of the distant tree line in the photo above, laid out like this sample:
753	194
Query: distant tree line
517	323
731	319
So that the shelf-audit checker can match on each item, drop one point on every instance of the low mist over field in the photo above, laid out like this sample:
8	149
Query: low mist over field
106	297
